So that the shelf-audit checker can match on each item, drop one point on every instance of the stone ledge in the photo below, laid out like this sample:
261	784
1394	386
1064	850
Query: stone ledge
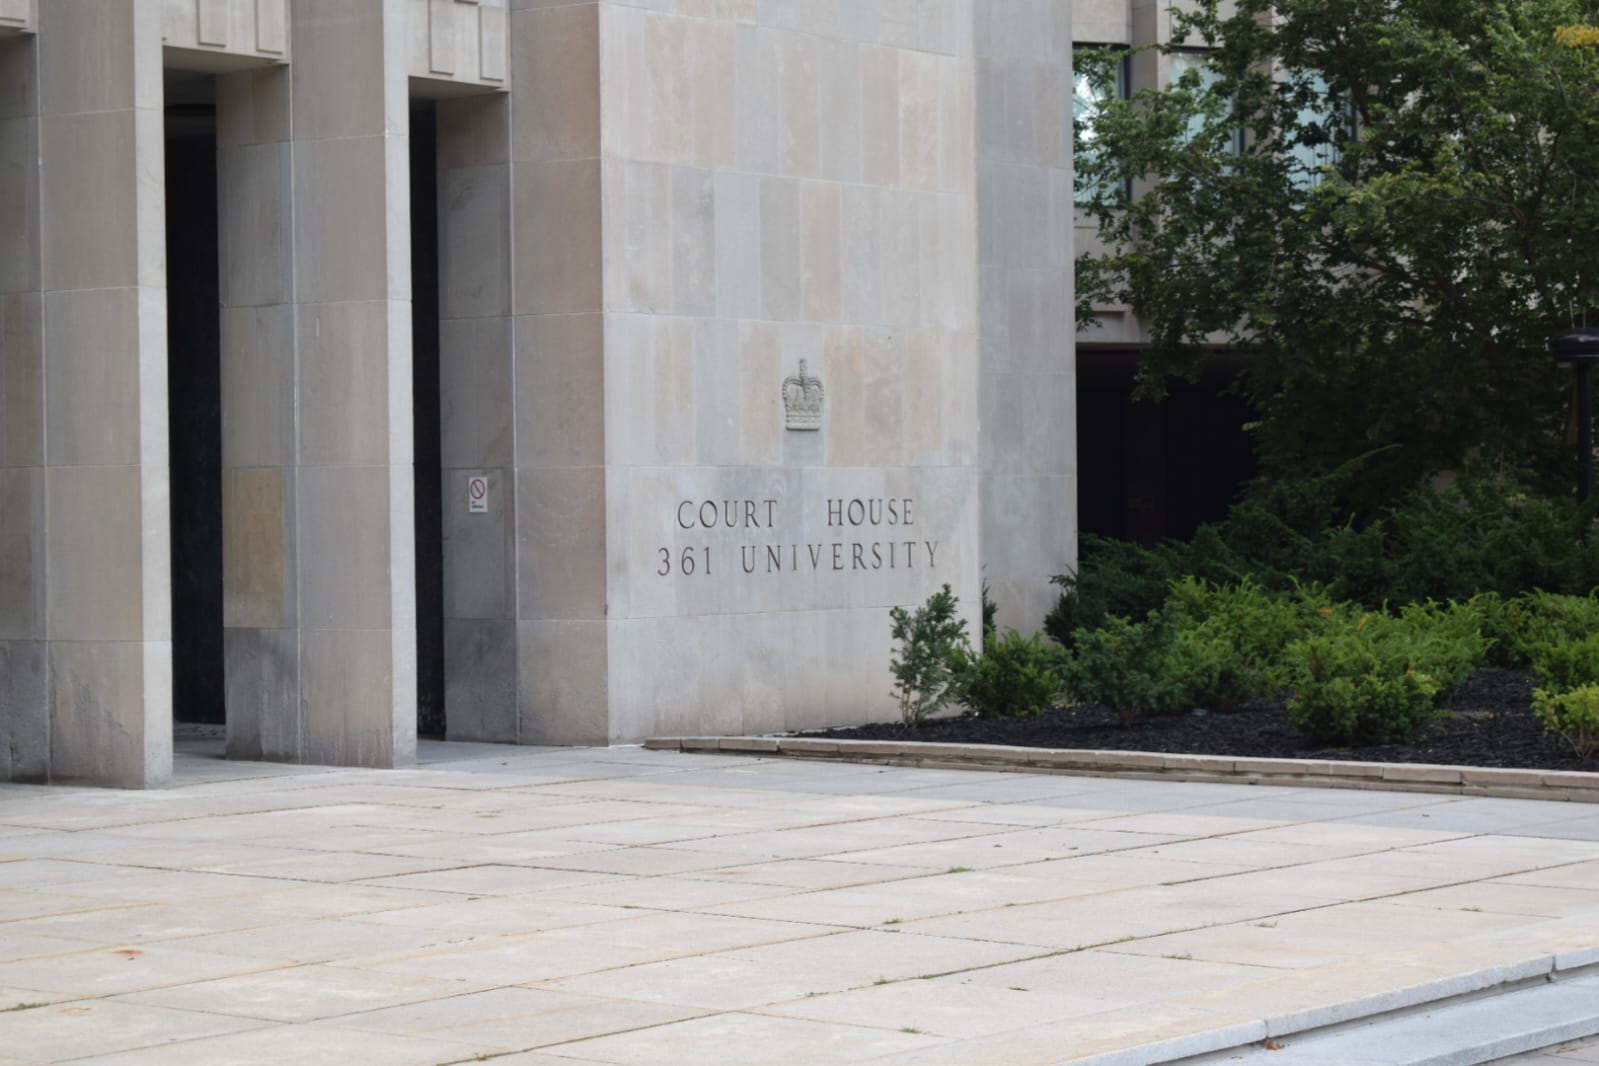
1144	765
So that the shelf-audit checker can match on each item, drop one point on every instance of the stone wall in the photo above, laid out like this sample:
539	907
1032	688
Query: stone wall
1029	399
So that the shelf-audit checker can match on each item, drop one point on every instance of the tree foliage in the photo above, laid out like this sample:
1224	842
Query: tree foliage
1405	222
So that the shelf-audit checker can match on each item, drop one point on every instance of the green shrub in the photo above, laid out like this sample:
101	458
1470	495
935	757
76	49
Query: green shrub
1014	675
1376	680
1233	636
1131	667
932	645
1568	663
1481	534
1573	714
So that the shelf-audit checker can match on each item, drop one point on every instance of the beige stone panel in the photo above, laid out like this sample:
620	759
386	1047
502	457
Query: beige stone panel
819	250
880	121
88	205
253	106
108	725
716	392
781	237
710	57
341	234
21	380
562	685
556	71
918	120
962	396
257	588
883	373
87	59
480	677
25	727
254	212
673	395
846	406
670	81
560	391
557	239
626	108
479	549
799	138
902	290
560	525
1051	117
839	83
629	396
1100	21
757	99
22	554
761	381
95	590
957	128
258	357
344	547
475	241
738	247
338	82
693	241
638	221
263	694
493	43
476	399
344	371
347	692
922	397
861	261
19	196
743	11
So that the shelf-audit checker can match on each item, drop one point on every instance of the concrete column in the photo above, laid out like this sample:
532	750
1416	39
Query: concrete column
24	692
1028	376
559	367
317	423
477	391
107	597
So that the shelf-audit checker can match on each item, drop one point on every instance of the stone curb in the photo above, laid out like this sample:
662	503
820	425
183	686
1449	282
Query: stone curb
1491	981
1299	773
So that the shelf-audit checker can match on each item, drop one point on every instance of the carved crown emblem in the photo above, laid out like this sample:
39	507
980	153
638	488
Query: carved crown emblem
802	400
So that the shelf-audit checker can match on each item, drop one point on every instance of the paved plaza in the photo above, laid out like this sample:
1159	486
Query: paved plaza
576	906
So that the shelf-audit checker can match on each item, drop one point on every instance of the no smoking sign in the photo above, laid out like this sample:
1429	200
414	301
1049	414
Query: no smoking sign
477	494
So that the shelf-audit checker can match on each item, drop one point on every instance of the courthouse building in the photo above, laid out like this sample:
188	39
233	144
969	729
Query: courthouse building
547	372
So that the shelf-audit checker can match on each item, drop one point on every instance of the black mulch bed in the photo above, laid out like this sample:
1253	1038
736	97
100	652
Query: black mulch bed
1489	722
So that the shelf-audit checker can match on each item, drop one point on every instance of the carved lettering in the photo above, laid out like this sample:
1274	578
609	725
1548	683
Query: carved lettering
851	552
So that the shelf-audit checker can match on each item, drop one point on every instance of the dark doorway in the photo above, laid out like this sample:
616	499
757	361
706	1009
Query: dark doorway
427	443
194	397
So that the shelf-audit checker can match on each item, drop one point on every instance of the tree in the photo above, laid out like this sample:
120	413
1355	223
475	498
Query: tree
1410	215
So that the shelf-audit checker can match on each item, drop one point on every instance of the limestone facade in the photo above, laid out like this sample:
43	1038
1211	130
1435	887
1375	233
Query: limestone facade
753	321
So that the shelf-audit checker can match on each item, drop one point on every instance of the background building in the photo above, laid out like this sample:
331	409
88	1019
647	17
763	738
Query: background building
1151	470
365	362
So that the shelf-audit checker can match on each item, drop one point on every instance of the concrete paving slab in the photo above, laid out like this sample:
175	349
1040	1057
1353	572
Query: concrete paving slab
79	1030
623	906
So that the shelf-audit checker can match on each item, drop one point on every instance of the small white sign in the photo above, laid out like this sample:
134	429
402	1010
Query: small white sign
477	494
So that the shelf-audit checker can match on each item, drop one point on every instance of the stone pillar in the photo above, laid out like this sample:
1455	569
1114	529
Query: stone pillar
1028	380
561	377
24	692
317	422
477	394
107	597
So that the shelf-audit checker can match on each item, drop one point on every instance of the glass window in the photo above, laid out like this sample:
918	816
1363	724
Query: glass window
1181	64
1329	112
1089	96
